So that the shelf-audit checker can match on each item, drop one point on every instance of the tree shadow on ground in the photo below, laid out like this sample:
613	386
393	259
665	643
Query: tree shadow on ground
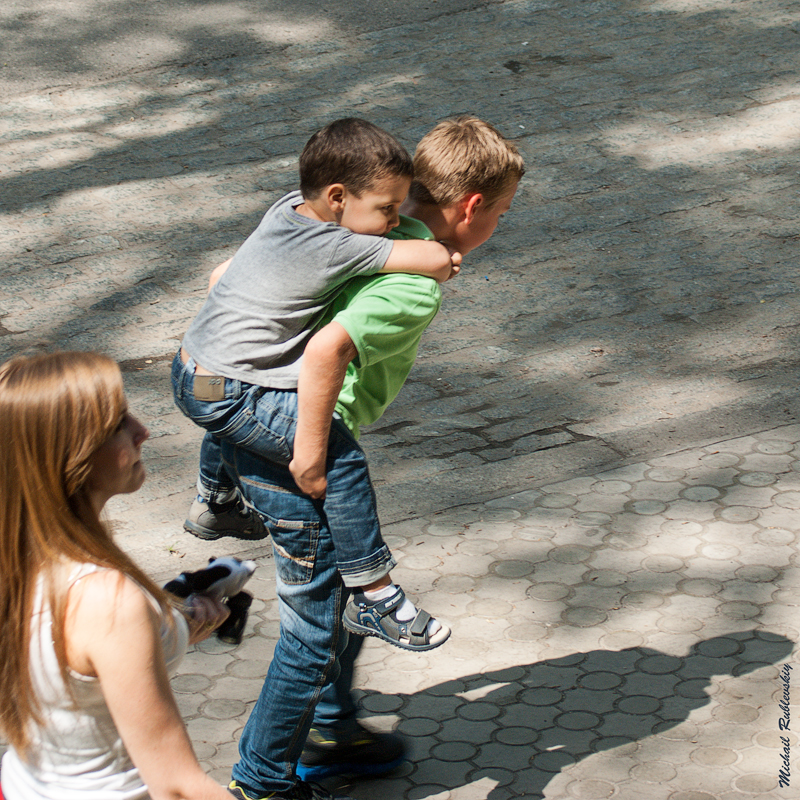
52	44
520	726
631	231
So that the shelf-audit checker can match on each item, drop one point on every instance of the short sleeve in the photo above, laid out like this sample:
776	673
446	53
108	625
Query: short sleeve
386	315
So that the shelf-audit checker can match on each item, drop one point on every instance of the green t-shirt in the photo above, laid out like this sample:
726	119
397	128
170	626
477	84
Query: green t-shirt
385	316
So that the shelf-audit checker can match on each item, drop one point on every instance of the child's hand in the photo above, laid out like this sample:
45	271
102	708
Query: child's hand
455	261
310	478
218	273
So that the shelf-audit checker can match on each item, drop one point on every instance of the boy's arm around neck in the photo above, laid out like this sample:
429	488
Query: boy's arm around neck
418	257
322	372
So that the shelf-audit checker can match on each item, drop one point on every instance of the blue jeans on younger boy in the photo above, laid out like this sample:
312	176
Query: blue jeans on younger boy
262	422
214	484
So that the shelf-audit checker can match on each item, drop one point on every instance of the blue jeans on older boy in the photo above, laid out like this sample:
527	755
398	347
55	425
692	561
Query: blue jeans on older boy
312	638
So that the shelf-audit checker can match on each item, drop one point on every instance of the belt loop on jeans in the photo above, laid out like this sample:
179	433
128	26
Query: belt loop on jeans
187	360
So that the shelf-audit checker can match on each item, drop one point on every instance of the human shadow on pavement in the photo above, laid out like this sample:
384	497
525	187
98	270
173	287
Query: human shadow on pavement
518	727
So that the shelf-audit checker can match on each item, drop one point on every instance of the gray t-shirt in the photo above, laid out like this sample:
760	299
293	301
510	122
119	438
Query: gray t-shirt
261	313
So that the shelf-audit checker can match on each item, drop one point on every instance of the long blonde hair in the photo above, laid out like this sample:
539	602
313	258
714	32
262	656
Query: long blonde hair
56	410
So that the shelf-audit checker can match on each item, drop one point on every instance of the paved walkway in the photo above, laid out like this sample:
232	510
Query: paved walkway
592	471
626	634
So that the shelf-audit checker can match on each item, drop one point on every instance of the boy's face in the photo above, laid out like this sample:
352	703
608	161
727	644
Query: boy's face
376	211
466	236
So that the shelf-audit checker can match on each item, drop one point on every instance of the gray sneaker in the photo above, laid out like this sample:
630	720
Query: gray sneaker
215	520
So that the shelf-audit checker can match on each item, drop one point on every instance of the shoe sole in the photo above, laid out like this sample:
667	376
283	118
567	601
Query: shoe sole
363	630
210	536
200	532
331	770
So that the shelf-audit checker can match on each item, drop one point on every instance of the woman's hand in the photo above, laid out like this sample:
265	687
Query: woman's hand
205	615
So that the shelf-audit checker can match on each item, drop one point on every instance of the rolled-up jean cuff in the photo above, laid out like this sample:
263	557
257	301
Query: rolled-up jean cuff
367	570
218	494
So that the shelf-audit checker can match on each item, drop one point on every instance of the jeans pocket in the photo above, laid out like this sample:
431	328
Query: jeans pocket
294	544
290	517
250	433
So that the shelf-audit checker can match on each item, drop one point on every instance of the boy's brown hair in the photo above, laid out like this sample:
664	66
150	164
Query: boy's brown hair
461	156
352	152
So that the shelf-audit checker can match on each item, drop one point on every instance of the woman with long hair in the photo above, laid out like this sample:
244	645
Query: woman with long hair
86	637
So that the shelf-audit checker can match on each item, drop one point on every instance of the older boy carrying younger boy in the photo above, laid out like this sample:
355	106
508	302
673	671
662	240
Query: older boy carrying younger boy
237	370
357	363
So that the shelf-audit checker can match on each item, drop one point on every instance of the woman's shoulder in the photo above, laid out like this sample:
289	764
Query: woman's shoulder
105	596
107	612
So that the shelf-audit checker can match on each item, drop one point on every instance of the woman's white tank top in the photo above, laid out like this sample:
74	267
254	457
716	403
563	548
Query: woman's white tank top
77	753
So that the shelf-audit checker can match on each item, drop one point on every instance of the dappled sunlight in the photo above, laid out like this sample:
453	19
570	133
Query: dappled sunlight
65	40
394	89
74	127
51	152
622	289
751	13
593	466
704	143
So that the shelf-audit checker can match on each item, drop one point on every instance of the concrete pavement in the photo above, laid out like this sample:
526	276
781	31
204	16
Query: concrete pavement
592	470
625	634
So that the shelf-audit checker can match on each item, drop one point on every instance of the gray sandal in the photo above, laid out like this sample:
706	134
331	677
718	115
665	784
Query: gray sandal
367	618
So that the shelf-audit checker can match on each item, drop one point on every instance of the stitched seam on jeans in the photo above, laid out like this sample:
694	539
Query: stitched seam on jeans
271	486
260	430
301	561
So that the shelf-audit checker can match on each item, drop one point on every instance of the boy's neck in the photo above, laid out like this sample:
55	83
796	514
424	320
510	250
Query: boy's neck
431	215
316	210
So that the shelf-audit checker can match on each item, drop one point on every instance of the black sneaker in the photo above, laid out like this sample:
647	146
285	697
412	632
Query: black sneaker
349	750
300	791
214	520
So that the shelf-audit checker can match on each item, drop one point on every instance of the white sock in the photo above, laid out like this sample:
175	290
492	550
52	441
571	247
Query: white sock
406	611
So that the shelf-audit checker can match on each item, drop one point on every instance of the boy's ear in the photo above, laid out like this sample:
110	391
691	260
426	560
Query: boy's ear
470	204
334	197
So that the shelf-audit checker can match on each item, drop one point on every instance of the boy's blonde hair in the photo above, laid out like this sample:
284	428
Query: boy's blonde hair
461	156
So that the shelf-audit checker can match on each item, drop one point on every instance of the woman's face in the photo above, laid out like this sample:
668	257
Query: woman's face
116	466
